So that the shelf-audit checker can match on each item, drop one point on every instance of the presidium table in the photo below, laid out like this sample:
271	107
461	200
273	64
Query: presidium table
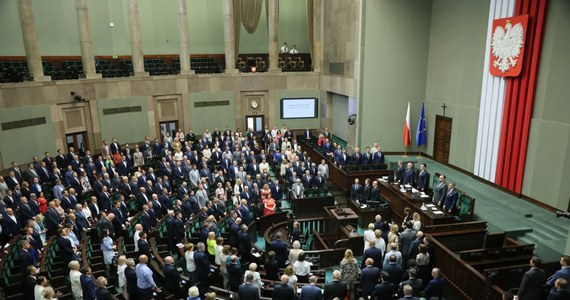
400	199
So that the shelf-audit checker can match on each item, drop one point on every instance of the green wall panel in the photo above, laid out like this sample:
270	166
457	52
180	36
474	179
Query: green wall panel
393	69
126	127
211	117
22	144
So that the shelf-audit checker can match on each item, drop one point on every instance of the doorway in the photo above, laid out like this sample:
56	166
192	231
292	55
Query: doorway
170	127
442	138
254	122
78	141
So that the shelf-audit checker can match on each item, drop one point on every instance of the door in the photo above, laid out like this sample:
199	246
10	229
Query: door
78	141
254	122
442	138
170	127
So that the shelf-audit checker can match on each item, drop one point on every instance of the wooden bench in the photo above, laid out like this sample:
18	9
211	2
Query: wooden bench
459	236
497	257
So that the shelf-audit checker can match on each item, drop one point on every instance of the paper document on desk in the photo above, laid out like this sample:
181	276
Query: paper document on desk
430	205
407	186
438	212
256	254
403	190
424	196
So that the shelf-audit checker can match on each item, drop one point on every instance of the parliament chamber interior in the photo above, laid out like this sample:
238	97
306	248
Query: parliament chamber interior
284	149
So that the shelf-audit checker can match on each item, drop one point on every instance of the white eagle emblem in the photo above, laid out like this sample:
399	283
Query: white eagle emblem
506	45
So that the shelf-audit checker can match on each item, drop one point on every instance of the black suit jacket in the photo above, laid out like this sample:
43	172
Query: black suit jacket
144	248
531	284
65	249
284	292
29	285
368	279
335	289
103	294
248	291
281	252
172	284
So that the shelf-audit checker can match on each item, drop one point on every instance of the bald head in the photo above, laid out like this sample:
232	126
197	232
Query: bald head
169	260
284	279
143	259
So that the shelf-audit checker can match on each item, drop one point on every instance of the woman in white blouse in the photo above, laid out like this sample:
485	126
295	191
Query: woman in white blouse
121	266
302	268
256	277
294	253
75	279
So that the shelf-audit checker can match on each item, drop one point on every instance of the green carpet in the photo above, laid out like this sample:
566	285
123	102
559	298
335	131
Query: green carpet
504	212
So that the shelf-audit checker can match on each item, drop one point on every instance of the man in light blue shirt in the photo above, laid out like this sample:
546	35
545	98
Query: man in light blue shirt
145	283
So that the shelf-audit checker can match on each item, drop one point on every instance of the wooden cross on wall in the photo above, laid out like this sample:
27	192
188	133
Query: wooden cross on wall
444	107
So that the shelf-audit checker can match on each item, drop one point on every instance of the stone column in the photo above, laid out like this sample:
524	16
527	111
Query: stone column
30	37
136	40
183	30
85	40
229	38
273	28
317	34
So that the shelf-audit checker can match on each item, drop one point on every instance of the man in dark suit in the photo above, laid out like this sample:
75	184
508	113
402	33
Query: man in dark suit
366	191
235	275
10	224
374	253
385	289
423	178
415	283
356	157
277	191
280	249
408	293
450	202
560	290
311	291
202	267
413	252
374	192
283	291
102	293
435	287
369	277
244	244
564	272
144	246
26	258
172	285
66	249
394	271
406	238
30	283
307	134
400	171
409	175
335	288
247	290
234	233
533	279
356	190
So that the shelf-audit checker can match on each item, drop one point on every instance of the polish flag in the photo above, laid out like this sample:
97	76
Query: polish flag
407	128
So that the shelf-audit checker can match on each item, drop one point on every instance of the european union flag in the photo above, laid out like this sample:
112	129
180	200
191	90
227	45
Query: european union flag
421	136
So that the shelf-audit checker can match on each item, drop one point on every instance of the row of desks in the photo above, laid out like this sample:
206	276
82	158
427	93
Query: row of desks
399	201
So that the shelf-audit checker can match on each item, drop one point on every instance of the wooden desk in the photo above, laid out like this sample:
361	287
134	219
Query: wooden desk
340	176
368	215
342	215
399	201
310	206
